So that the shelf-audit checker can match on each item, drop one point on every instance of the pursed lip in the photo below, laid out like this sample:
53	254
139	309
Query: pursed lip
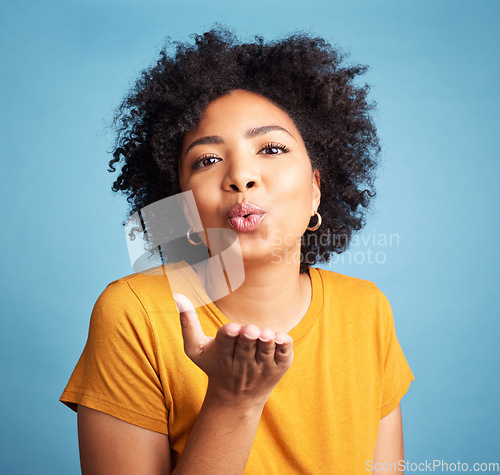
244	209
245	217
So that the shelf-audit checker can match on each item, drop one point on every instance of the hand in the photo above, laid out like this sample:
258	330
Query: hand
242	362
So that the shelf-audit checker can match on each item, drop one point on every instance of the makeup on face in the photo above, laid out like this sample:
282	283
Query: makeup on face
249	171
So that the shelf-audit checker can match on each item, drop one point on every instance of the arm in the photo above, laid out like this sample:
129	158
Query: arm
389	446
244	364
221	438
110	445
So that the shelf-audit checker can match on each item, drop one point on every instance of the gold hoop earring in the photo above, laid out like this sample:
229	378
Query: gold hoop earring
190	240
318	224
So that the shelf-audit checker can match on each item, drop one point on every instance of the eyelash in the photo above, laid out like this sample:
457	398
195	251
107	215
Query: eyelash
279	146
196	163
270	145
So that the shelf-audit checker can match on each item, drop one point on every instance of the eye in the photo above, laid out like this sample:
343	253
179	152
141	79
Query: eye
274	148
205	161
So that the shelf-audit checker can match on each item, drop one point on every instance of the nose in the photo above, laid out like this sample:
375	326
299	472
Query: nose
240	177
235	187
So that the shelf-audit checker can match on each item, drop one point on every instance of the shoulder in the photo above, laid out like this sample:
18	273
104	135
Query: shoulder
153	283
142	293
359	307
349	287
359	302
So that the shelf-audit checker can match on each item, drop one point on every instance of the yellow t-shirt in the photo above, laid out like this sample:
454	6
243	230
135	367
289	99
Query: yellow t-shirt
323	416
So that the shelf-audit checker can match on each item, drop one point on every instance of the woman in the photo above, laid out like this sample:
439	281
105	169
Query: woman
298	370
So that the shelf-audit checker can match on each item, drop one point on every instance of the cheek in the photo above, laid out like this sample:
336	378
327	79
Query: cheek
200	188
206	204
294	185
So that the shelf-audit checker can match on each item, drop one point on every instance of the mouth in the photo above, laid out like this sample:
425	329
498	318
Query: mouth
245	217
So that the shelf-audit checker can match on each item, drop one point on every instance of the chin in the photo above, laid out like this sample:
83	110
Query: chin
254	253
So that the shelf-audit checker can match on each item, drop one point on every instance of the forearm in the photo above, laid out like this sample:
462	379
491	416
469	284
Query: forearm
243	365
221	438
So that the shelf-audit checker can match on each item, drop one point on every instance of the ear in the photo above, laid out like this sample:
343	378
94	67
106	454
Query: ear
316	188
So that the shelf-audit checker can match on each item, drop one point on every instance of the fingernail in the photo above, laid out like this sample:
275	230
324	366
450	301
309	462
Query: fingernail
264	340
232	334
177	304
278	342
246	335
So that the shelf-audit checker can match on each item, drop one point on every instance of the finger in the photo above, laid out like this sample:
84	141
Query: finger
225	340
246	343
283	353
265	346
192	333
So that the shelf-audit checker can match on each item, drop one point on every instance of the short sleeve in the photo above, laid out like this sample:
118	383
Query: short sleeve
117	372
397	373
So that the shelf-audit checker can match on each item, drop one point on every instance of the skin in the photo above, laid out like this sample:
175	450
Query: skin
250	355
110	445
240	169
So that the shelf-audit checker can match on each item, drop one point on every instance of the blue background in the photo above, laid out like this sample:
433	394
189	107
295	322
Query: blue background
435	75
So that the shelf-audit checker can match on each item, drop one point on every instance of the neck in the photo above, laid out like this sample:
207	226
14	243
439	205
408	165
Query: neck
273	295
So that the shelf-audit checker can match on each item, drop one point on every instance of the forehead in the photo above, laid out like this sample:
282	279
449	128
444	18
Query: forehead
236	112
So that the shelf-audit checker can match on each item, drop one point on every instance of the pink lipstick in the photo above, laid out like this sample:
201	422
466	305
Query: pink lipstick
245	217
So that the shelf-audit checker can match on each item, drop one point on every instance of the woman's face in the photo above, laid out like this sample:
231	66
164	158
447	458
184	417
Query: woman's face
245	150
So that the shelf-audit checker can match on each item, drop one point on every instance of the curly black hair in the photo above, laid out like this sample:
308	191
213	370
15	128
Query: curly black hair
305	76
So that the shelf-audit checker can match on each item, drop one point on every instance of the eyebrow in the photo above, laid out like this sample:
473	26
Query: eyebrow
215	139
